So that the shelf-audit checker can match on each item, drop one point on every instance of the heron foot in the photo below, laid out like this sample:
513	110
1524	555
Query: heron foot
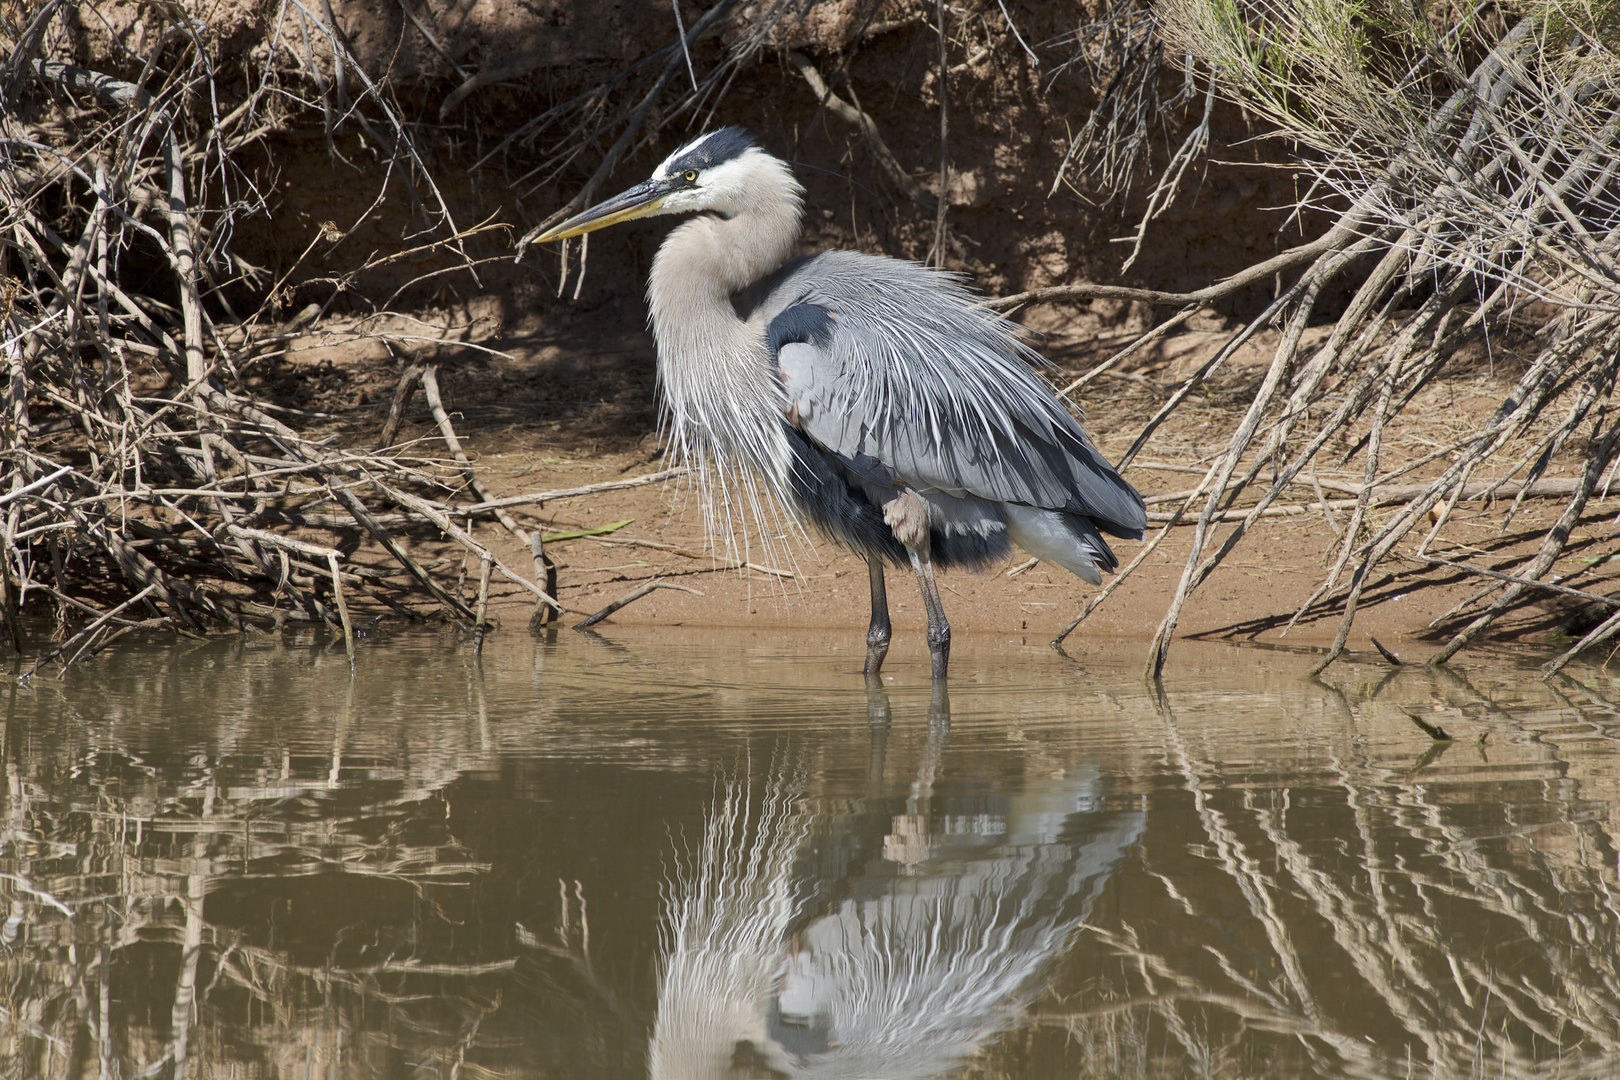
939	648
878	632
876	649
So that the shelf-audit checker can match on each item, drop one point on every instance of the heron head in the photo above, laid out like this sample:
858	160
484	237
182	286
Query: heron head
717	172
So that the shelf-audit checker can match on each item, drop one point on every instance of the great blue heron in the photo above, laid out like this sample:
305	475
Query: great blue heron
873	397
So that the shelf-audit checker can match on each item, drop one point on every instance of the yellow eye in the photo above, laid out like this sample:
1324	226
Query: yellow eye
690	176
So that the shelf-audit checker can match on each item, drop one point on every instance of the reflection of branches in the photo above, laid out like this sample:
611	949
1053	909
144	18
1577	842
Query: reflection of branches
1403	866
130	869
573	947
1246	871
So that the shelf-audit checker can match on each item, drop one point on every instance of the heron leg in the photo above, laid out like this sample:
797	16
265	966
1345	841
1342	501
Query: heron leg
877	635
939	631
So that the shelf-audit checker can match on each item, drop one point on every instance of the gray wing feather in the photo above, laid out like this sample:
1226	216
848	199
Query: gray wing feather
908	371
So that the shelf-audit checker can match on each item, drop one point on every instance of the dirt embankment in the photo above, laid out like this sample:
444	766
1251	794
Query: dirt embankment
361	222
487	93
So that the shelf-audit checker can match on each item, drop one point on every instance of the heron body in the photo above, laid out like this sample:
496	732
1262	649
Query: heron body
871	397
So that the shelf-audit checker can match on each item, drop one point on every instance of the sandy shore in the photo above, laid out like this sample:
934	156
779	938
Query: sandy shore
819	587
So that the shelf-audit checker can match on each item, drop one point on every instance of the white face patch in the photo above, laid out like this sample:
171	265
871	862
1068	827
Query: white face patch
721	171
718	187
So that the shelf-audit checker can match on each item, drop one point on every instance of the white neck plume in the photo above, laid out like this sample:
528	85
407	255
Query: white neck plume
719	398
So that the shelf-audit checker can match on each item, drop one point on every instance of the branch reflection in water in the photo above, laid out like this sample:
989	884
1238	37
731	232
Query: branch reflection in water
236	859
779	964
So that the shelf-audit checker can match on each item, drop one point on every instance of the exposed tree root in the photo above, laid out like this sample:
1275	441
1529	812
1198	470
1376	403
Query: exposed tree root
1483	196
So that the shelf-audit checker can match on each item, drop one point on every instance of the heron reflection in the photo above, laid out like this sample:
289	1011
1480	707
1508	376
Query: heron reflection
874	939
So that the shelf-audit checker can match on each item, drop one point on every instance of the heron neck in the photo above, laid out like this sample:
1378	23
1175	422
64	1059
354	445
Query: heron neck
703	263
718	389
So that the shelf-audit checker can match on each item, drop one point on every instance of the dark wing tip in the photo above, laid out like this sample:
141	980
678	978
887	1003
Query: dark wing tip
1116	507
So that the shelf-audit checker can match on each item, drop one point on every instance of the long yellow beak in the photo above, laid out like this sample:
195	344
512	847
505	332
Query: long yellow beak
643	200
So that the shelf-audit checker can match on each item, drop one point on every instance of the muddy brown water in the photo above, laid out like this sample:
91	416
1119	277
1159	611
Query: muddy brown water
731	857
